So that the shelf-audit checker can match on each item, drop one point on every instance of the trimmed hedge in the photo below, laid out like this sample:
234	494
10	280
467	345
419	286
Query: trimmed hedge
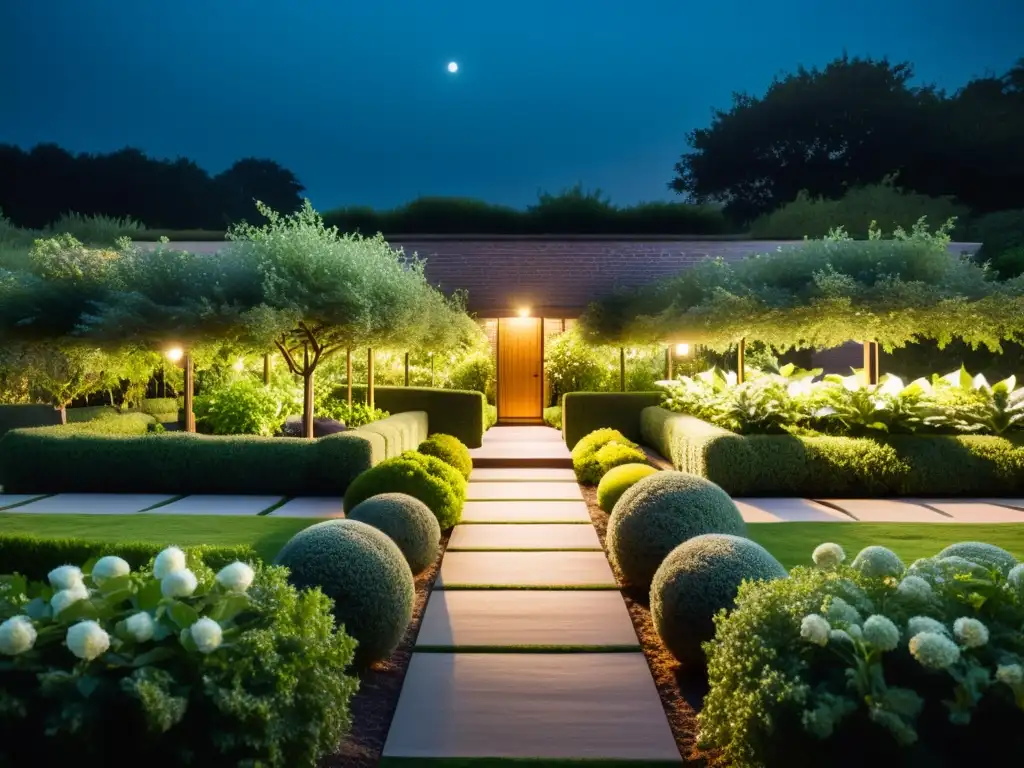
401	431
456	412
160	406
585	412
617	481
35	556
22	416
786	465
449	450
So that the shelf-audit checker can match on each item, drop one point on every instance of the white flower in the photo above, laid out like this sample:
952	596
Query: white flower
914	588
855	632
178	583
919	624
814	629
1011	674
140	626
110	567
167	562
207	635
840	610
66	577
1015	578
876	562
933	650
87	640
881	633
839	636
828	555
67	597
17	635
236	577
971	632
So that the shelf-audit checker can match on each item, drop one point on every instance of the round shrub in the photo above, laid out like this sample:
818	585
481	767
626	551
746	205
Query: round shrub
364	573
450	450
697	579
617	480
585	460
426	478
875	562
988	555
659	513
616	454
407	521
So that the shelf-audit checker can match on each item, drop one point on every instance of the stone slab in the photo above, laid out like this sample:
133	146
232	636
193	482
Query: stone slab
530	434
524	618
530	705
522	475
1012	503
218	505
11	499
310	506
525	512
526	536
92	504
975	512
526	569
783	510
523	491
888	511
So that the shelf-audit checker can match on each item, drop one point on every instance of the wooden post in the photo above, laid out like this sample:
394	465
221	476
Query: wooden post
407	369
348	375
741	352
622	369
431	369
190	418
266	370
668	362
871	362
369	378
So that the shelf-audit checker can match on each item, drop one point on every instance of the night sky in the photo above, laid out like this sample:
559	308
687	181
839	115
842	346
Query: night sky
356	99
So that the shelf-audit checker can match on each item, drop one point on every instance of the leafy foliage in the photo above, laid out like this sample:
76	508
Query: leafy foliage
449	450
587	459
173	667
245	407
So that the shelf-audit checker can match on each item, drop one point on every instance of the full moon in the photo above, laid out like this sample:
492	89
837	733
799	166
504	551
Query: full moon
453	67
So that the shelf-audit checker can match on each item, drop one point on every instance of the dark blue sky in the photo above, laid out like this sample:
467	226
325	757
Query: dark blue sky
355	98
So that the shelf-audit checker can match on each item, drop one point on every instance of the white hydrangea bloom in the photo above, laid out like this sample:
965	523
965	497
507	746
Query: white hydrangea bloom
67	597
814	629
855	632
167	562
207	635
914	588
17	635
918	624
66	577
876	562
881	632
87	640
828	555
110	567
180	583
840	610
1011	674
236	577
140	626
933	650
839	636
1015	578
971	632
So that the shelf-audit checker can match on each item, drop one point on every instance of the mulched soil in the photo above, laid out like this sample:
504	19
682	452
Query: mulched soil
374	706
681	690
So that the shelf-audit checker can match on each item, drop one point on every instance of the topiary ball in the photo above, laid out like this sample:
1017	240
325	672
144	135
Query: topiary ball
699	578
875	562
450	450
585	460
366	575
659	513
617	480
988	555
407	521
616	454
426	478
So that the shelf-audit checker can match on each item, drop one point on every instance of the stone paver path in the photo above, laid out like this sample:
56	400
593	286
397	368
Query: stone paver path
8	500
968	511
91	504
788	511
526	649
310	506
886	510
219	505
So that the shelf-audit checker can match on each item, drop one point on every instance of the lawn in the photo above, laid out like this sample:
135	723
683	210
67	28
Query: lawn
791	543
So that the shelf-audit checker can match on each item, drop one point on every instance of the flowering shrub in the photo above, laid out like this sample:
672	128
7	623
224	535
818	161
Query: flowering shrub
791	399
169	665
245	407
839	665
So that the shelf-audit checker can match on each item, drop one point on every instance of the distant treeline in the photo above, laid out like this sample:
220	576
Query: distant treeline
39	186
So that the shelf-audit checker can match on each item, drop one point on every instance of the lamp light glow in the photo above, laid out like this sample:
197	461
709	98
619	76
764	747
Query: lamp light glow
174	354
524	312
682	350
239	365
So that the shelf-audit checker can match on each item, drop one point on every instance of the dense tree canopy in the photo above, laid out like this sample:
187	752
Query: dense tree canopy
853	123
38	186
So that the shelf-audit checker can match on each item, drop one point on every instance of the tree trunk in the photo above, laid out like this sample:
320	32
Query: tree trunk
369	378
871	371
407	369
266	370
741	365
63	414
622	369
668	363
190	418
348	376
307	394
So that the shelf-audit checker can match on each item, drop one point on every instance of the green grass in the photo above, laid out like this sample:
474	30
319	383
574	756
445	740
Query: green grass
266	535
793	543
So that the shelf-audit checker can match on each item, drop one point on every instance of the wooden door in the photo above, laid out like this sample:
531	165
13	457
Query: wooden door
520	362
